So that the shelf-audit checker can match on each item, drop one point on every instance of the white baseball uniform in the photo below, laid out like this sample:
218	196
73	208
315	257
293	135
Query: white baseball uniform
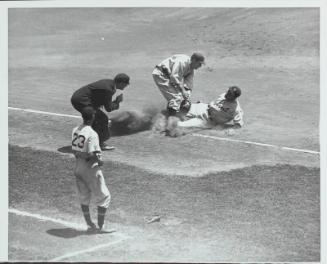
222	112
171	74
89	177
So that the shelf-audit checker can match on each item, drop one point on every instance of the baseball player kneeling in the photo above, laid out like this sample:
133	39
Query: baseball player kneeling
89	177
174	78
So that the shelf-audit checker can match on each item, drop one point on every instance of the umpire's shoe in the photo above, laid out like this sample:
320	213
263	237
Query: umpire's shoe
105	147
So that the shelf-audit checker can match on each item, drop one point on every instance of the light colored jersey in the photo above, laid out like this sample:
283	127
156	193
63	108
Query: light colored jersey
179	70
89	177
225	111
85	140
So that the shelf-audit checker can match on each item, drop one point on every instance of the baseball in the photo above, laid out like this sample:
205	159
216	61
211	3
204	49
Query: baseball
230	132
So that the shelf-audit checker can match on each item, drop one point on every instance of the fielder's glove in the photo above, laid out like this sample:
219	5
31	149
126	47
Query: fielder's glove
185	105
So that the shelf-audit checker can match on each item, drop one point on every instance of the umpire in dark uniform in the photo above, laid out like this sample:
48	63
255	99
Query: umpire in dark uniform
97	95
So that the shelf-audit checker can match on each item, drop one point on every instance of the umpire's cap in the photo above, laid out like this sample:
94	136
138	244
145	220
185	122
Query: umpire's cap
121	78
198	57
235	90
88	112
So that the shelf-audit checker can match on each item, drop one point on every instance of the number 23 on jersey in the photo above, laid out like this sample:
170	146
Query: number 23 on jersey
78	141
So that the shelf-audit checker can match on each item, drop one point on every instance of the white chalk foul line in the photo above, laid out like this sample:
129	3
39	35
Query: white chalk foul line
46	218
195	134
41	112
92	249
256	143
72	225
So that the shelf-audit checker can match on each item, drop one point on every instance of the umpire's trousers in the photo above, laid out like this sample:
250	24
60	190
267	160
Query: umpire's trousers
100	124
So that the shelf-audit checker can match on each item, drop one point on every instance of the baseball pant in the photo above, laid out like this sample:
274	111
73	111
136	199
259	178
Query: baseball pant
171	94
198	117
90	182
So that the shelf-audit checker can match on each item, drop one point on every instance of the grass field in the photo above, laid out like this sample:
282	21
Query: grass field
253	196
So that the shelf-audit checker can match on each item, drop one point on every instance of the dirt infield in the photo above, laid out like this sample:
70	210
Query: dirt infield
155	152
218	201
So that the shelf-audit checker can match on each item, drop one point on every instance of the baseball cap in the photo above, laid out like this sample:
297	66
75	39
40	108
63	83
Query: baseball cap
236	90
198	57
88	112
122	78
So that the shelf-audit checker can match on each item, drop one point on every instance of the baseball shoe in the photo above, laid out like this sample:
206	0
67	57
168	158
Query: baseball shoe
92	228
104	230
105	147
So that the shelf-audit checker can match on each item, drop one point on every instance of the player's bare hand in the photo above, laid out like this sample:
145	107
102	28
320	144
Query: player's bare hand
119	98
99	158
114	106
210	110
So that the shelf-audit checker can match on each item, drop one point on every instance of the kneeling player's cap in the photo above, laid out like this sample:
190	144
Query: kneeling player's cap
198	57
88	112
122	78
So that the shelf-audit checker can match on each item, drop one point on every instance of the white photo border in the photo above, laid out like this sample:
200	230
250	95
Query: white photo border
5	5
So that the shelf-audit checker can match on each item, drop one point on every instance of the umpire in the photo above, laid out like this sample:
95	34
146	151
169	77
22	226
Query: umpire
97	95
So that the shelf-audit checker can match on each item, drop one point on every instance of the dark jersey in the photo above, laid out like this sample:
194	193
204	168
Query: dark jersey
95	94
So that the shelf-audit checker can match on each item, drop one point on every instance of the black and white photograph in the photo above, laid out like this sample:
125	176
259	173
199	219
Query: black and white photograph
166	133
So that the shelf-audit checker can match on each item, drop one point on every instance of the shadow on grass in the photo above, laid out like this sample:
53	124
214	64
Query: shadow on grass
72	233
65	149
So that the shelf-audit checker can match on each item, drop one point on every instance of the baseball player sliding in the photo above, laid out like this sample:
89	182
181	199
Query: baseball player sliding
226	110
174	78
89	177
